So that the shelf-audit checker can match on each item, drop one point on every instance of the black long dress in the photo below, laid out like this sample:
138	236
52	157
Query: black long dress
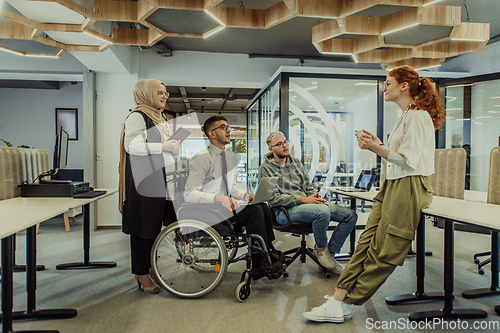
146	206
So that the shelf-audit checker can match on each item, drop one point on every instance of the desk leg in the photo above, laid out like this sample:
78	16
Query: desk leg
352	238
419	295
31	312
7	287
493	289
20	268
86	264
7	283
448	312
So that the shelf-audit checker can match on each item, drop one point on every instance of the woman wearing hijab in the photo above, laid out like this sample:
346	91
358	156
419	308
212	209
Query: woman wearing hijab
144	197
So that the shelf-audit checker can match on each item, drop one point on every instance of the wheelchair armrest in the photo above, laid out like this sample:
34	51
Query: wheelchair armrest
212	206
283	209
215	209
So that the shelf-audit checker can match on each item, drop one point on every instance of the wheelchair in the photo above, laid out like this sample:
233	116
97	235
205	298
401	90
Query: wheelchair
190	257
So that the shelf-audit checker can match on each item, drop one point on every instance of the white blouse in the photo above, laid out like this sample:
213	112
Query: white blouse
135	144
411	145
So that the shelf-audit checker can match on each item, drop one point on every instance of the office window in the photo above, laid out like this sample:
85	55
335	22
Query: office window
323	114
270	112
457	123
253	147
484	130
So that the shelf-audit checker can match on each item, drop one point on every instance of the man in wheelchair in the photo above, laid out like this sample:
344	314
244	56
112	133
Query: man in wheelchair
211	180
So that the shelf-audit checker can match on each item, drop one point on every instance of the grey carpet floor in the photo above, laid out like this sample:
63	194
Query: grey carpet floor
107	300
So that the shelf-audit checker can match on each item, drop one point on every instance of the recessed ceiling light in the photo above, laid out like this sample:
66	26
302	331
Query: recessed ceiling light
311	88
366	84
430	3
314	82
461	85
398	29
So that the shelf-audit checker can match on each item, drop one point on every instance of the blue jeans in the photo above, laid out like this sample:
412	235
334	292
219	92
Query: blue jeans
320	216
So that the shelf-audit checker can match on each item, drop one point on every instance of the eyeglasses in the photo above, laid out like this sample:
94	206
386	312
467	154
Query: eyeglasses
163	93
224	127
281	144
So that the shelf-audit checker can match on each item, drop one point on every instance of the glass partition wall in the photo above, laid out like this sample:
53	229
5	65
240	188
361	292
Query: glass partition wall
323	113
473	123
262	120
319	113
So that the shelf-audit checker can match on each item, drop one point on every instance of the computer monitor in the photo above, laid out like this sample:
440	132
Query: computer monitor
60	151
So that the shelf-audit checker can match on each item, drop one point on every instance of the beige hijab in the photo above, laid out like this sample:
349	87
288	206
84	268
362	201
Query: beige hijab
145	100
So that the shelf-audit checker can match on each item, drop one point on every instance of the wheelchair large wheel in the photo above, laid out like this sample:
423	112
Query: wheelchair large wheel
189	259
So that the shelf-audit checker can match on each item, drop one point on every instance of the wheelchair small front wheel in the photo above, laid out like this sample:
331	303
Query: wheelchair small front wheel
243	291
189	259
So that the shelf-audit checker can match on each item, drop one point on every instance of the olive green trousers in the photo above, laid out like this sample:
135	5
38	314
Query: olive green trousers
386	240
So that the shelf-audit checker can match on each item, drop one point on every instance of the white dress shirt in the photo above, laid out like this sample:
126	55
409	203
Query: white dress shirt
411	145
135	144
205	176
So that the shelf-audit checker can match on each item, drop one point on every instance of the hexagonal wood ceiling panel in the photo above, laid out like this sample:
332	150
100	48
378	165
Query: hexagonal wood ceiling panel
420	33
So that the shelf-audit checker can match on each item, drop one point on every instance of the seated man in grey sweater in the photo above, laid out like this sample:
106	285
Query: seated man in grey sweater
295	192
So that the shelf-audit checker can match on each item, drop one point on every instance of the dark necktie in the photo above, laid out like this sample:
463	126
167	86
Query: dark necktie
224	172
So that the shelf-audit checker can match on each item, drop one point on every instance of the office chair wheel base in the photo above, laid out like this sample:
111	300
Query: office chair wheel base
481	271
243	291
476	261
326	272
285	274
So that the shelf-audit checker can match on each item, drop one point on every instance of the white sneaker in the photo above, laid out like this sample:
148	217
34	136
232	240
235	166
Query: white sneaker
324	257
338	269
331	311
346	310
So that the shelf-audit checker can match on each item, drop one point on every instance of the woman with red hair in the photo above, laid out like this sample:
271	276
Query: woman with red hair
407	161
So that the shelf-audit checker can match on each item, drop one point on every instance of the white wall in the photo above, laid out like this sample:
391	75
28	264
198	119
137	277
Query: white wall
188	68
486	61
31	68
114	99
28	118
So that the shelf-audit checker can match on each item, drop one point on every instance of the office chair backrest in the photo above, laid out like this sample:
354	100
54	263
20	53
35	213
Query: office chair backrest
18	165
449	177
494	177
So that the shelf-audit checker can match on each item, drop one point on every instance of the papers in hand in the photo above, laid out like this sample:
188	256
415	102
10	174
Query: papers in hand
180	134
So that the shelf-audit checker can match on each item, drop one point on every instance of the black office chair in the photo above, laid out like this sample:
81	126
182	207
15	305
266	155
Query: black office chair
299	229
480	263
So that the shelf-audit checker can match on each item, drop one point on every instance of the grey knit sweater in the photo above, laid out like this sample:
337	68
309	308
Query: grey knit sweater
293	181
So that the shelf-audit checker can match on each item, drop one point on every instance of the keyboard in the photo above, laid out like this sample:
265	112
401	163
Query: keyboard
89	194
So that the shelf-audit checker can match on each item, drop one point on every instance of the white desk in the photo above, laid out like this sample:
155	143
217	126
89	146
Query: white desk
470	212
452	210
60	205
13	220
68	203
